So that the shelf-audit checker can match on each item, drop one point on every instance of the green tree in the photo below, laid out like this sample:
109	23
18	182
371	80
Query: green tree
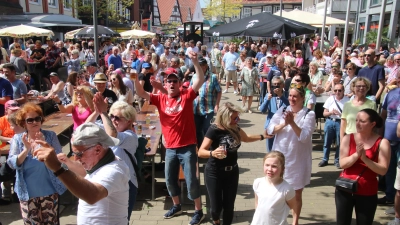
373	35
223	8
113	10
171	27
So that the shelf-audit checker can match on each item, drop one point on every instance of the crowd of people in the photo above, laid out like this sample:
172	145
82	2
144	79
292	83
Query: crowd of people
184	80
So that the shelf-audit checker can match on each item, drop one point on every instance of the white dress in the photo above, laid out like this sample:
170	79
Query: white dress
272	208
297	150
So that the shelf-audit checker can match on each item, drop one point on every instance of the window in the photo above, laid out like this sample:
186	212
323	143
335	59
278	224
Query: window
363	4
34	1
267	8
67	4
375	2
52	3
277	8
297	7
246	12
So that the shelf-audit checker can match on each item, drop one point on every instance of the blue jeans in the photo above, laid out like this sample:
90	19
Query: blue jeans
202	125
187	157
270	142
263	91
132	198
332	131
390	176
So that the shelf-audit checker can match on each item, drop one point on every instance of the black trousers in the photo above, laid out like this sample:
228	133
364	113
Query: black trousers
365	207
222	188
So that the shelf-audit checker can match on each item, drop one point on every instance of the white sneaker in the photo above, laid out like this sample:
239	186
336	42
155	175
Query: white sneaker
235	92
225	91
390	211
393	222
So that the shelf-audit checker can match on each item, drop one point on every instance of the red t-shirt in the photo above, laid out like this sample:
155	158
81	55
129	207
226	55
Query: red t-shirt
176	117
367	184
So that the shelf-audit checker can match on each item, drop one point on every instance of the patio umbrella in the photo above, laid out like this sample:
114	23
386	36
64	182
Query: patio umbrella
71	34
263	25
310	18
24	31
88	32
137	34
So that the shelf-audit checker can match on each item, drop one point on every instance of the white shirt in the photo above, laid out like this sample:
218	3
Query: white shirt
330	105
113	208
297	150
272	208
189	49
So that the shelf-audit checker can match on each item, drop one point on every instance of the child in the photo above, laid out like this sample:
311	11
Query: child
274	197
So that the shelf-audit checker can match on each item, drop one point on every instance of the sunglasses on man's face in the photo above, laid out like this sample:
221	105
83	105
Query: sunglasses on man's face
349	68
80	154
337	90
31	120
298	80
172	81
368	55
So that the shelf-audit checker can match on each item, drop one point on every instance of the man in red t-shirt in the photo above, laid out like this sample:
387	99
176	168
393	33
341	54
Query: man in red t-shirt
177	123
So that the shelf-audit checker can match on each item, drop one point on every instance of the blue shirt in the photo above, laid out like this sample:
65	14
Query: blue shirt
259	56
73	65
229	60
135	64
272	106
391	104
6	89
159	49
19	89
33	178
116	60
374	74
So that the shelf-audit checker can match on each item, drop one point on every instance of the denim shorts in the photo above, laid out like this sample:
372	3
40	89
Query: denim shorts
187	157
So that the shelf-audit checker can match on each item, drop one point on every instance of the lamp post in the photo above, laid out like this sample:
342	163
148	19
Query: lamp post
96	40
141	11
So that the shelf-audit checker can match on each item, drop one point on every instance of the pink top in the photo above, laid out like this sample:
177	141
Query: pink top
80	118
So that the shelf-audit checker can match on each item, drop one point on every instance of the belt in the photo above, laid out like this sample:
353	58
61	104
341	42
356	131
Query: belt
334	120
228	168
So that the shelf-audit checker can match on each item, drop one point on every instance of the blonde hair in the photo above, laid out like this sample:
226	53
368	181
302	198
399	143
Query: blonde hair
127	111
358	79
85	91
223	119
278	155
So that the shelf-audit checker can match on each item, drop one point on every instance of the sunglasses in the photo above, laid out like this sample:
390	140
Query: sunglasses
298	80
116	118
237	119
31	120
337	90
335	66
172	81
14	105
349	69
368	55
80	154
114	79
298	86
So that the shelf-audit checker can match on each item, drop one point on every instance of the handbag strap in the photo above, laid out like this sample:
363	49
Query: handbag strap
365	168
339	106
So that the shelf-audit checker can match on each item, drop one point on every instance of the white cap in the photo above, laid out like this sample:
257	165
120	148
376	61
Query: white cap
269	55
353	54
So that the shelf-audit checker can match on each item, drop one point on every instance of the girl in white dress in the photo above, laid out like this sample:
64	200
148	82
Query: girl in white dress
274	197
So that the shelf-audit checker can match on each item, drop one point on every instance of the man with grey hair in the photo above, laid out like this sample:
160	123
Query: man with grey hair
272	102
115	58
97	177
260	54
158	48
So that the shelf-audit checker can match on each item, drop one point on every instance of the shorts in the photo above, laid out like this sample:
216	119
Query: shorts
231	75
397	181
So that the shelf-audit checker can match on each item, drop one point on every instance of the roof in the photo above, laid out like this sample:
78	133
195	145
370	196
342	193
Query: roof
185	5
165	8
266	2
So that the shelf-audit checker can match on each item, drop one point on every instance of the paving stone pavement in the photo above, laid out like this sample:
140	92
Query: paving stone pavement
318	197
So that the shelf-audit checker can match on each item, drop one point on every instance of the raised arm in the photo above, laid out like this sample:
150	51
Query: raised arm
140	91
199	71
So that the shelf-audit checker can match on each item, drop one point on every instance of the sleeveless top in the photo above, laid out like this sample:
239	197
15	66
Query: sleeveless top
80	118
367	183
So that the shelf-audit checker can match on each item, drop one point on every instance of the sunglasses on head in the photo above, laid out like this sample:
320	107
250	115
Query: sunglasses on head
172	81
80	154
298	86
36	119
116	118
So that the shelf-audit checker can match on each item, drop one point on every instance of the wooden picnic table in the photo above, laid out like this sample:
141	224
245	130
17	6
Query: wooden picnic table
155	136
60	123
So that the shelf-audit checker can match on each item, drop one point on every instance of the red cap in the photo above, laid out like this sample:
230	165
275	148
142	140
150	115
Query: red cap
171	71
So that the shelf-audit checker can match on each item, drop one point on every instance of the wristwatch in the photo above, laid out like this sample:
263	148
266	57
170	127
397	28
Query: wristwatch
59	103
62	169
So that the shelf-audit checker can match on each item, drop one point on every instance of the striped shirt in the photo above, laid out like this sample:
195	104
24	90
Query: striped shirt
207	96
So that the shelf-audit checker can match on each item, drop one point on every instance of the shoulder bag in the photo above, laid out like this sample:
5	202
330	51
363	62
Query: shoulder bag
349	185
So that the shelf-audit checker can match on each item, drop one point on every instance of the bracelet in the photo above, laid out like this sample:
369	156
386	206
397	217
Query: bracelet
211	154
59	171
262	137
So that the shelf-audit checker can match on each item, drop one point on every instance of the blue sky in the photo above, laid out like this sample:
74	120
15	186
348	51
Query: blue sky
203	3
